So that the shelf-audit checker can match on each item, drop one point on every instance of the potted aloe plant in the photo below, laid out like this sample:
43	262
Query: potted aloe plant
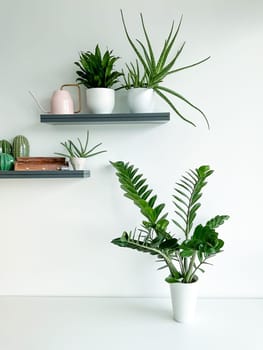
183	257
79	152
96	72
145	77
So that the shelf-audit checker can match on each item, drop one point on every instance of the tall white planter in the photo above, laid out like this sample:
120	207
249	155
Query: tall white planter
184	298
100	100
141	100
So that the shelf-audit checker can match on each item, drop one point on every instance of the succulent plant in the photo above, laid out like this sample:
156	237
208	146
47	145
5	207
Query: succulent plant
81	151
149	71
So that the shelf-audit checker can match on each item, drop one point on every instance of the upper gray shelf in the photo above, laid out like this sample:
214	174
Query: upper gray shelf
42	174
115	118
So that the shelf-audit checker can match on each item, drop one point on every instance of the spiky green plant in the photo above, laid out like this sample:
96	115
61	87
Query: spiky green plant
185	257
156	70
80	151
97	69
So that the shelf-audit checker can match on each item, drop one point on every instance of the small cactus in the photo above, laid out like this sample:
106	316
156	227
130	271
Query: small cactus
21	146
5	147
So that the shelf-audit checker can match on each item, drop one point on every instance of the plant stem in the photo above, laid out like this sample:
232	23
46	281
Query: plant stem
185	261
189	274
197	267
181	263
172	268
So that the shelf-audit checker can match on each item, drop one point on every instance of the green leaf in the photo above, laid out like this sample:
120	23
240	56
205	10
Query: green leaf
136	189
153	71
217	221
97	70
185	100
173	279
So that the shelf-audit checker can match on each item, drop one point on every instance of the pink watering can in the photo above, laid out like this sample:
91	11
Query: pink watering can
61	101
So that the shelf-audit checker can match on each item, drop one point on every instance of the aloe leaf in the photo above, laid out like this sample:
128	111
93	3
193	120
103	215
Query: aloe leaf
93	154
148	43
190	65
132	44
168	45
165	70
157	90
93	148
148	60
62	154
185	100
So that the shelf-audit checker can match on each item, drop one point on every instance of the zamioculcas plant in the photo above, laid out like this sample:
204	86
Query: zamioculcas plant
185	257
148	71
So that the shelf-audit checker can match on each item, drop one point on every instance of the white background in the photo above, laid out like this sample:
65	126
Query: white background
55	234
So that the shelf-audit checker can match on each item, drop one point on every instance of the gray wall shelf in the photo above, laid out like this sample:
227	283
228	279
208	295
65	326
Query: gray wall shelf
66	174
115	118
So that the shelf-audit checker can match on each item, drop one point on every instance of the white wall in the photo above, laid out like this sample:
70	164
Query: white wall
55	234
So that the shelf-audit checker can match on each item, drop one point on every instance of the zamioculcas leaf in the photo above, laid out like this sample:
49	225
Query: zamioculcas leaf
199	244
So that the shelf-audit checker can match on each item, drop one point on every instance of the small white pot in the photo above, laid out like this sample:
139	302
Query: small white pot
100	100
184	298
78	163
141	100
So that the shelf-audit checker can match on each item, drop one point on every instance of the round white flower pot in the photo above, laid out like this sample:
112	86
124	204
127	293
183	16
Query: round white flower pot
141	100
100	100
78	163
184	298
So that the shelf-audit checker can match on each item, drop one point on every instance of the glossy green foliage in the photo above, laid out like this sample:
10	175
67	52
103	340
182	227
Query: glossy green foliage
79	150
136	189
6	162
152	70
182	257
188	191
97	69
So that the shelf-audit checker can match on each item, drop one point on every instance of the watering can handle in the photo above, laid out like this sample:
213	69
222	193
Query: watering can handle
79	96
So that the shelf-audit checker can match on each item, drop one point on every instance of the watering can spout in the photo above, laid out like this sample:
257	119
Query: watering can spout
37	102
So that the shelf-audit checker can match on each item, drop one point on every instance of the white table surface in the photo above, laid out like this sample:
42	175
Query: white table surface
78	323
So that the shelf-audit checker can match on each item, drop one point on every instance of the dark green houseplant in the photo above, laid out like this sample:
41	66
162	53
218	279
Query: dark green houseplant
149	71
97	73
96	69
184	257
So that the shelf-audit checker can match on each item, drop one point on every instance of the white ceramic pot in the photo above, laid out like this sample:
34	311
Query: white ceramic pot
141	100
184	298
100	100
78	163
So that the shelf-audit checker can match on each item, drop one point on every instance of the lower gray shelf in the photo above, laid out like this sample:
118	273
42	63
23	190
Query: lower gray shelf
62	174
114	118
